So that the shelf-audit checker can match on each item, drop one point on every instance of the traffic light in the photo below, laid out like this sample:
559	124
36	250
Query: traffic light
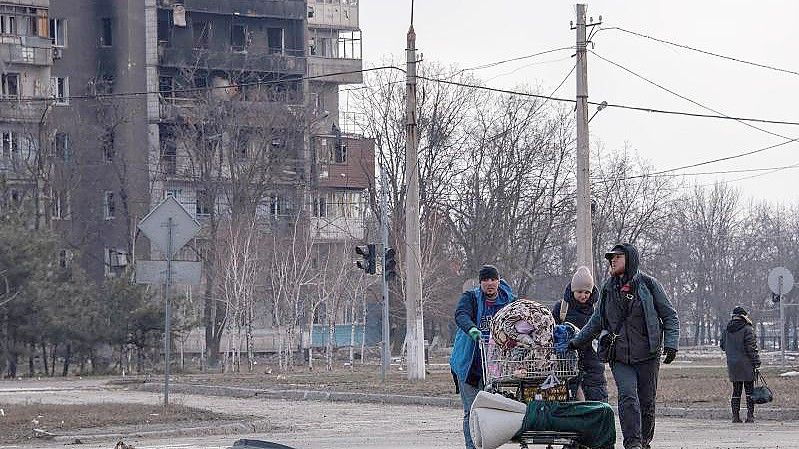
367	253
389	263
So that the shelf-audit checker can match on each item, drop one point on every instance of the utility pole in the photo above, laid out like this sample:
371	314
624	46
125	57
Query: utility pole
414	334
386	359
584	233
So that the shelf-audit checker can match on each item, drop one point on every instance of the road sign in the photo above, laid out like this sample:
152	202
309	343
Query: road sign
775	275
154	226
154	272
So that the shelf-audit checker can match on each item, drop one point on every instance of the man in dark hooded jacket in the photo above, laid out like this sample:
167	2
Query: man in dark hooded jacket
636	315
740	345
576	308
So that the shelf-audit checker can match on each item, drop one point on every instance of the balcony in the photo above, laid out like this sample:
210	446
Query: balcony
29	50
251	61
339	16
283	9
21	112
319	66
337	228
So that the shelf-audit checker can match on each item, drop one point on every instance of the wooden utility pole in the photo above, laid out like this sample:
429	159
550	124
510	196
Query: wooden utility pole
414	334
386	347
583	195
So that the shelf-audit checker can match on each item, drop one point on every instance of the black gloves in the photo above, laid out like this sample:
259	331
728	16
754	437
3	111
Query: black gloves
671	353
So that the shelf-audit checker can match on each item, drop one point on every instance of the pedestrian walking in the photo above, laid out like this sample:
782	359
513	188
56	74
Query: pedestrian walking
636	324
576	308
740	346
473	315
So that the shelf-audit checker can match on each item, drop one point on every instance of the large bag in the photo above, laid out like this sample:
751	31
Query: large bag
761	394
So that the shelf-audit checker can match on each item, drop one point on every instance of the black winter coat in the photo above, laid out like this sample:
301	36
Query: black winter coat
579	314
739	343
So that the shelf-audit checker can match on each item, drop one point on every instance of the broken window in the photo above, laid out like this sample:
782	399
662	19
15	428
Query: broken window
205	203
169	155
62	147
166	87
165	23
59	89
10	144
9	85
340	152
65	257
58	32
107	32
109	205
60	205
274	37
109	153
238	38
201	32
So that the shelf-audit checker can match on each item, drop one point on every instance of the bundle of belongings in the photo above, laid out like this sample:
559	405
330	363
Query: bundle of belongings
495	420
522	331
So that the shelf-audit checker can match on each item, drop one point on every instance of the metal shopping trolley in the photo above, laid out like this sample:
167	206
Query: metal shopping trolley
525	374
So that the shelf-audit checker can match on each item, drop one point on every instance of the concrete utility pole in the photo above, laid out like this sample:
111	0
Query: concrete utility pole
583	196
386	359
414	334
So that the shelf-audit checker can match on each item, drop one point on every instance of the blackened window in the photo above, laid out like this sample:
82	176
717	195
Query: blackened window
238	38
109	153
62	147
106	32
274	37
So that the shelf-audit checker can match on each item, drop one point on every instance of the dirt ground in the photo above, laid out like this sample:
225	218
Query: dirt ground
694	379
18	421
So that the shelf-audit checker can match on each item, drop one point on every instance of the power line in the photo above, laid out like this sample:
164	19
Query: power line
610	105
718	172
706	52
659	86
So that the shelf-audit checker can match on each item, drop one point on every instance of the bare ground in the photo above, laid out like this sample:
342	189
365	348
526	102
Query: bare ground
689	381
18	421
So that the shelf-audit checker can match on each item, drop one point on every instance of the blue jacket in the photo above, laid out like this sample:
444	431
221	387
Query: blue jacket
662	323
470	307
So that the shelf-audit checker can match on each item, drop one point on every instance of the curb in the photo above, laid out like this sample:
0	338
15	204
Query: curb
231	428
715	413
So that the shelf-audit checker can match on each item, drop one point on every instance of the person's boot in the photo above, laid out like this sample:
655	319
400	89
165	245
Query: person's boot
735	405
750	409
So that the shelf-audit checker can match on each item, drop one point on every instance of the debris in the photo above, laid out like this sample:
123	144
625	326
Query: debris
121	445
41	433
77	441
790	374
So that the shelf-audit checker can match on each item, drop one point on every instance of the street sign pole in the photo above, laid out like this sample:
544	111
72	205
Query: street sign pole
167	318
782	320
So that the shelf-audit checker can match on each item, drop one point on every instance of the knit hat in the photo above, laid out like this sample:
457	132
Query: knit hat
739	310
582	280
488	272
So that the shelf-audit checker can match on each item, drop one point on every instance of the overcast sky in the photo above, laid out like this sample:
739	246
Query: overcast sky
471	32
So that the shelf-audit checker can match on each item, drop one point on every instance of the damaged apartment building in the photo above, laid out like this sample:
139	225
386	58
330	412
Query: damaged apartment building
135	100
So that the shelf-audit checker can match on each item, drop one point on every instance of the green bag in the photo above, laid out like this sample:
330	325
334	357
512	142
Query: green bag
593	421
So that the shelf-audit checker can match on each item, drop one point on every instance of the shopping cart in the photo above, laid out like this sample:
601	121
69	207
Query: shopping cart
540	373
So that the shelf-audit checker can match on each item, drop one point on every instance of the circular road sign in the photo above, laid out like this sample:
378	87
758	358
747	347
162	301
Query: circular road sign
774	276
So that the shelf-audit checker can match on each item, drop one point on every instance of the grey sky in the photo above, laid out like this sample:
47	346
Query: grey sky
472	32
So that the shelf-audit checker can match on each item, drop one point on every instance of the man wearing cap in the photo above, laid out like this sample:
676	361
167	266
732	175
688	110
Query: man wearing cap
576	308
740	346
634	314
473	314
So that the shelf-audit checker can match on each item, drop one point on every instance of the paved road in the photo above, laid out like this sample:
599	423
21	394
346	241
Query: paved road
309	424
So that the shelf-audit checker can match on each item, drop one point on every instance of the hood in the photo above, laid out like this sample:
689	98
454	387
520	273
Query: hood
631	262
569	297
738	322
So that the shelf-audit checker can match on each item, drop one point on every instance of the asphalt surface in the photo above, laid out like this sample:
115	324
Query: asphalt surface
324	424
